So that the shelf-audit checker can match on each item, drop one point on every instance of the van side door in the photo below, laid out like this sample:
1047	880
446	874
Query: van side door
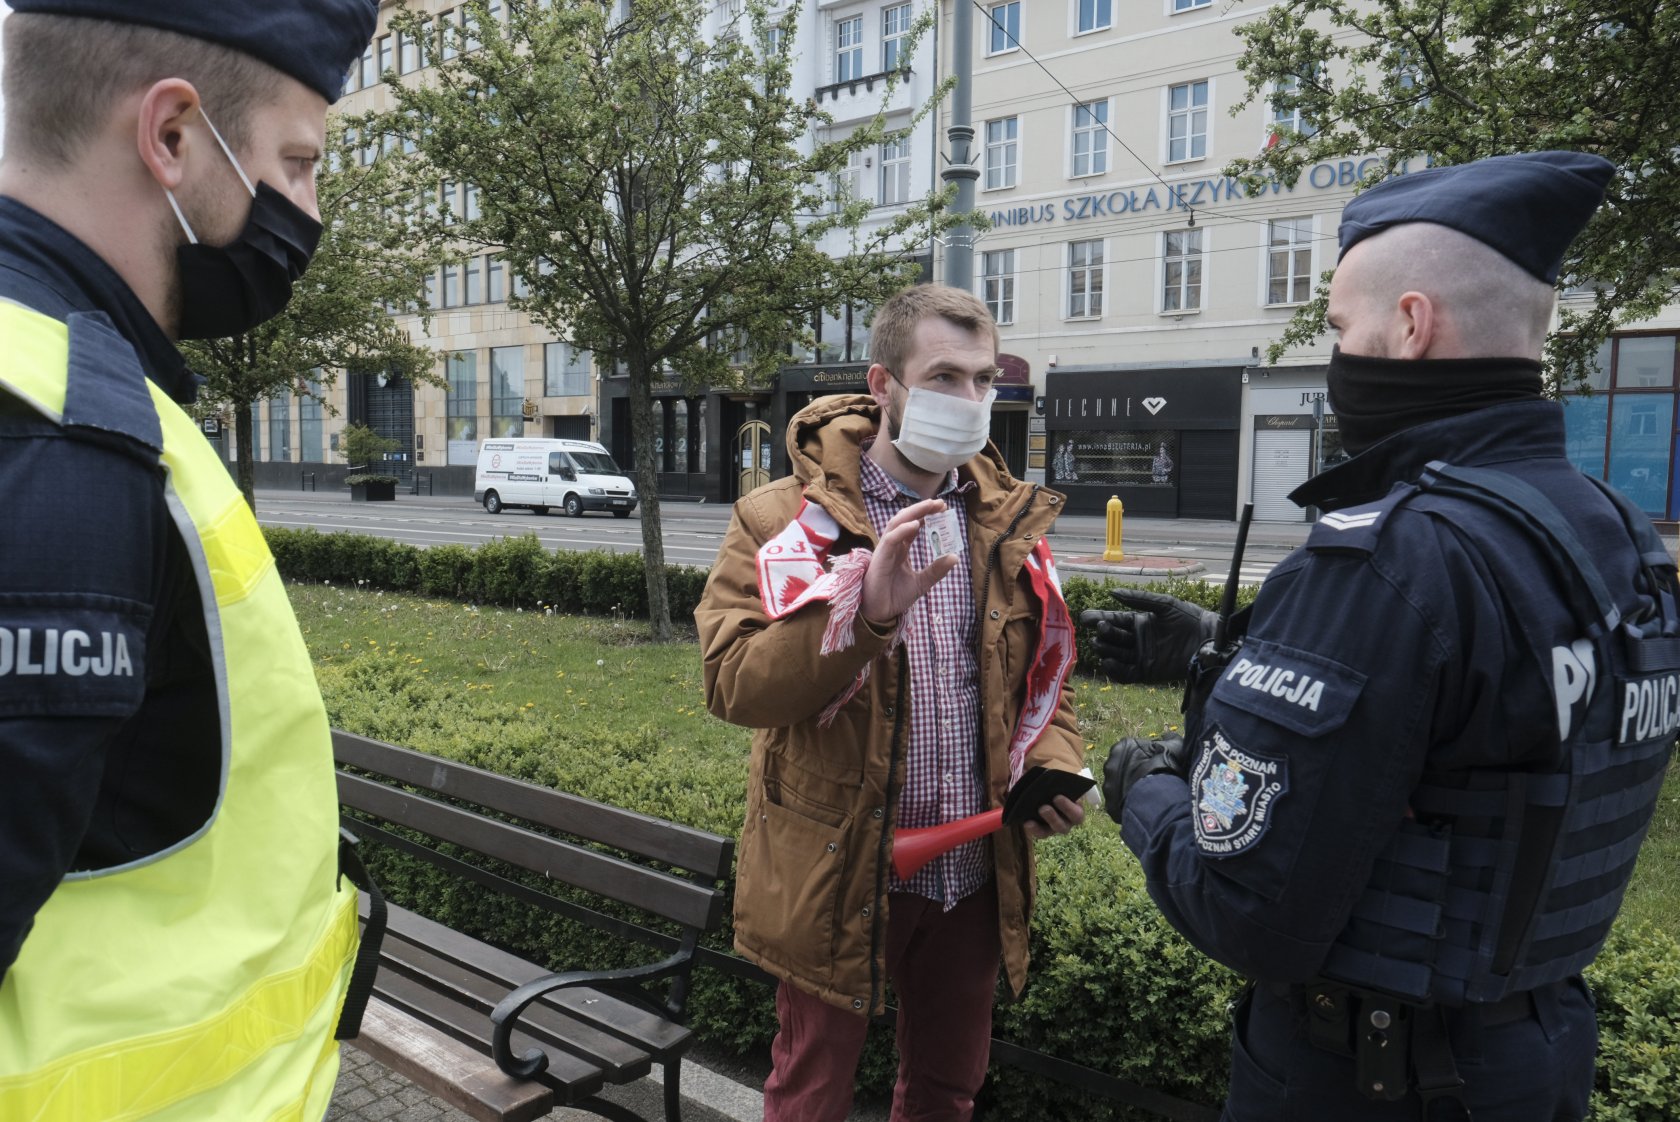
562	474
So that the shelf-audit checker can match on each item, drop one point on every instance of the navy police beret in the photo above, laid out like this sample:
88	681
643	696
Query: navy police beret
314	41
1528	206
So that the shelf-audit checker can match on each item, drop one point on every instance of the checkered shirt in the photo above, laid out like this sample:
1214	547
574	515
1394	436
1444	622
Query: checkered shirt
944	777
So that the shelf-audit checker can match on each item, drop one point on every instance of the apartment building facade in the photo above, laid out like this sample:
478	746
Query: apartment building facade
1136	287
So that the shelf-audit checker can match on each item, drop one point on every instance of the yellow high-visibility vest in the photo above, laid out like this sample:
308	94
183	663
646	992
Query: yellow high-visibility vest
203	982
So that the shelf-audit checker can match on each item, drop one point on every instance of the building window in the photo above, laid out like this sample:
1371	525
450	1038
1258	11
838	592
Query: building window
1181	271
1005	32
1002	152
473	206
473	293
462	406
848	49
432	289
384	45
1085	279
280	427
997	283
565	370
352	79
678	444
848	182
895	171
256	431
895	25
452	286
1187	5
310	412
1090	138
507	391
1094	15
1624	431
369	74
1187	116
496	272
1289	120
1288	260
447	22
775	41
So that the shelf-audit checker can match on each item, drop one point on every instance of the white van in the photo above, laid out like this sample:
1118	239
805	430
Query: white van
574	475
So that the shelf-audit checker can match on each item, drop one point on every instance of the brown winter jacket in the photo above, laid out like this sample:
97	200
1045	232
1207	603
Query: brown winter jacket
812	876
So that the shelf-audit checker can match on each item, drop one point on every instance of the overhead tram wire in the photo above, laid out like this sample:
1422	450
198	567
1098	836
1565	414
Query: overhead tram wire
1147	167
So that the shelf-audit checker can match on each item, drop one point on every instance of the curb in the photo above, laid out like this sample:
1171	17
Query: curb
1131	566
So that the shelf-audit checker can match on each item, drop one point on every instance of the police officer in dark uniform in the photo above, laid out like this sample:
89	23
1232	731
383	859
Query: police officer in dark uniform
157	184
1408	800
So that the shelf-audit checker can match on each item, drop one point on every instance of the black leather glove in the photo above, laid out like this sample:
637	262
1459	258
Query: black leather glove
1131	759
1153	641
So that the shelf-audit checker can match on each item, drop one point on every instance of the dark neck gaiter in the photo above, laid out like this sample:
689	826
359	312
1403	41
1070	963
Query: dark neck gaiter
1374	398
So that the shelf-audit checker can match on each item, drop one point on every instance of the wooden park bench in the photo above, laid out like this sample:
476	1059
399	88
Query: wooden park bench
488	1032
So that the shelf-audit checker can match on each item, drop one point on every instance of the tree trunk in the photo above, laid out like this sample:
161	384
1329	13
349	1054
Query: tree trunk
647	490
246	471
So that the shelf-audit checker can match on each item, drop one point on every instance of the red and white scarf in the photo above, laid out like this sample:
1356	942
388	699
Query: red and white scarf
793	571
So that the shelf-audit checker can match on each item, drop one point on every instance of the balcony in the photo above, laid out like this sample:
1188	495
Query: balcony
852	98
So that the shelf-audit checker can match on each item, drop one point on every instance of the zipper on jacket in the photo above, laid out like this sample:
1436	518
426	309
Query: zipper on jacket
980	626
877	991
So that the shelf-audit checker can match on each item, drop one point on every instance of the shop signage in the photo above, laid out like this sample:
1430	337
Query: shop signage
1184	195
1204	398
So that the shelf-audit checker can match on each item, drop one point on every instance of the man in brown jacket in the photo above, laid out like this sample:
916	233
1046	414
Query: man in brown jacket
888	619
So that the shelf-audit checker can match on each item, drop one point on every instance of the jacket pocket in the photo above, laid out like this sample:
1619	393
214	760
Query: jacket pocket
795	864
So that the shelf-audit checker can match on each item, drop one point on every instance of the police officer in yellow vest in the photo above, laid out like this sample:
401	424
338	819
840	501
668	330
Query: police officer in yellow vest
175	940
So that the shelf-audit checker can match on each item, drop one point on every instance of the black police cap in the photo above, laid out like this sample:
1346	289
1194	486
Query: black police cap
314	41
1528	206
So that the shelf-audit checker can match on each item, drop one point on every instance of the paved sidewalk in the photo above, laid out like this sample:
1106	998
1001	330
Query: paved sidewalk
367	1091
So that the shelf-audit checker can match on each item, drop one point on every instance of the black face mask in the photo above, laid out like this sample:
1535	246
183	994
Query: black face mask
1374	398
229	289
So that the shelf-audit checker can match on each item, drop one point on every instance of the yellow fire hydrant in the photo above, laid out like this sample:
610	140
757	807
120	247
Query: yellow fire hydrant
1116	515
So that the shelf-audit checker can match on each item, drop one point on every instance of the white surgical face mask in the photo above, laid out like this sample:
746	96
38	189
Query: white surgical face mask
940	431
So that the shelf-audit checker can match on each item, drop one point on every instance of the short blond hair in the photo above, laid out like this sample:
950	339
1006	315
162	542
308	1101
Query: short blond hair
894	330
64	74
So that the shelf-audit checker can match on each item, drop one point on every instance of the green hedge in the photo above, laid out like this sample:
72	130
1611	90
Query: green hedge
510	572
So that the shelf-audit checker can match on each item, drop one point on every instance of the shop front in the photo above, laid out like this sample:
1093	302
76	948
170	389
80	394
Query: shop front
1294	438
1163	440
688	429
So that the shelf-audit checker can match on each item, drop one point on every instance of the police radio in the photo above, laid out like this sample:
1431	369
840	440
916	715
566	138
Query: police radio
1216	654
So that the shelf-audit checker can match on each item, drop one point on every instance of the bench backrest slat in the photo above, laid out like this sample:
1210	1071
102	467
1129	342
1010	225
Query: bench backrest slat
662	894
683	846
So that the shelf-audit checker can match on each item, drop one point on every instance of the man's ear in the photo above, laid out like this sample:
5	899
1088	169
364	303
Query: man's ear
166	109
880	384
1415	327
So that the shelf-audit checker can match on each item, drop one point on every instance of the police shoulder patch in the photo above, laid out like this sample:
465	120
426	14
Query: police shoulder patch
1304	692
1235	793
71	656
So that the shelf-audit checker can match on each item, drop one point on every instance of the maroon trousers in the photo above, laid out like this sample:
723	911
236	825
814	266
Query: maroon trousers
943	967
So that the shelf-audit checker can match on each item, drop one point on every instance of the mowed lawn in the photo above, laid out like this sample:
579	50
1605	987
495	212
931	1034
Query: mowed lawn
618	716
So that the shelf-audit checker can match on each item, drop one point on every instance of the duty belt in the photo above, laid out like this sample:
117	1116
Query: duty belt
1398	1046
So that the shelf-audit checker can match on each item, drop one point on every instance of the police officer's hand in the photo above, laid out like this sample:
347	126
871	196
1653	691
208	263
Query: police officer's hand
1153	641
1131	759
